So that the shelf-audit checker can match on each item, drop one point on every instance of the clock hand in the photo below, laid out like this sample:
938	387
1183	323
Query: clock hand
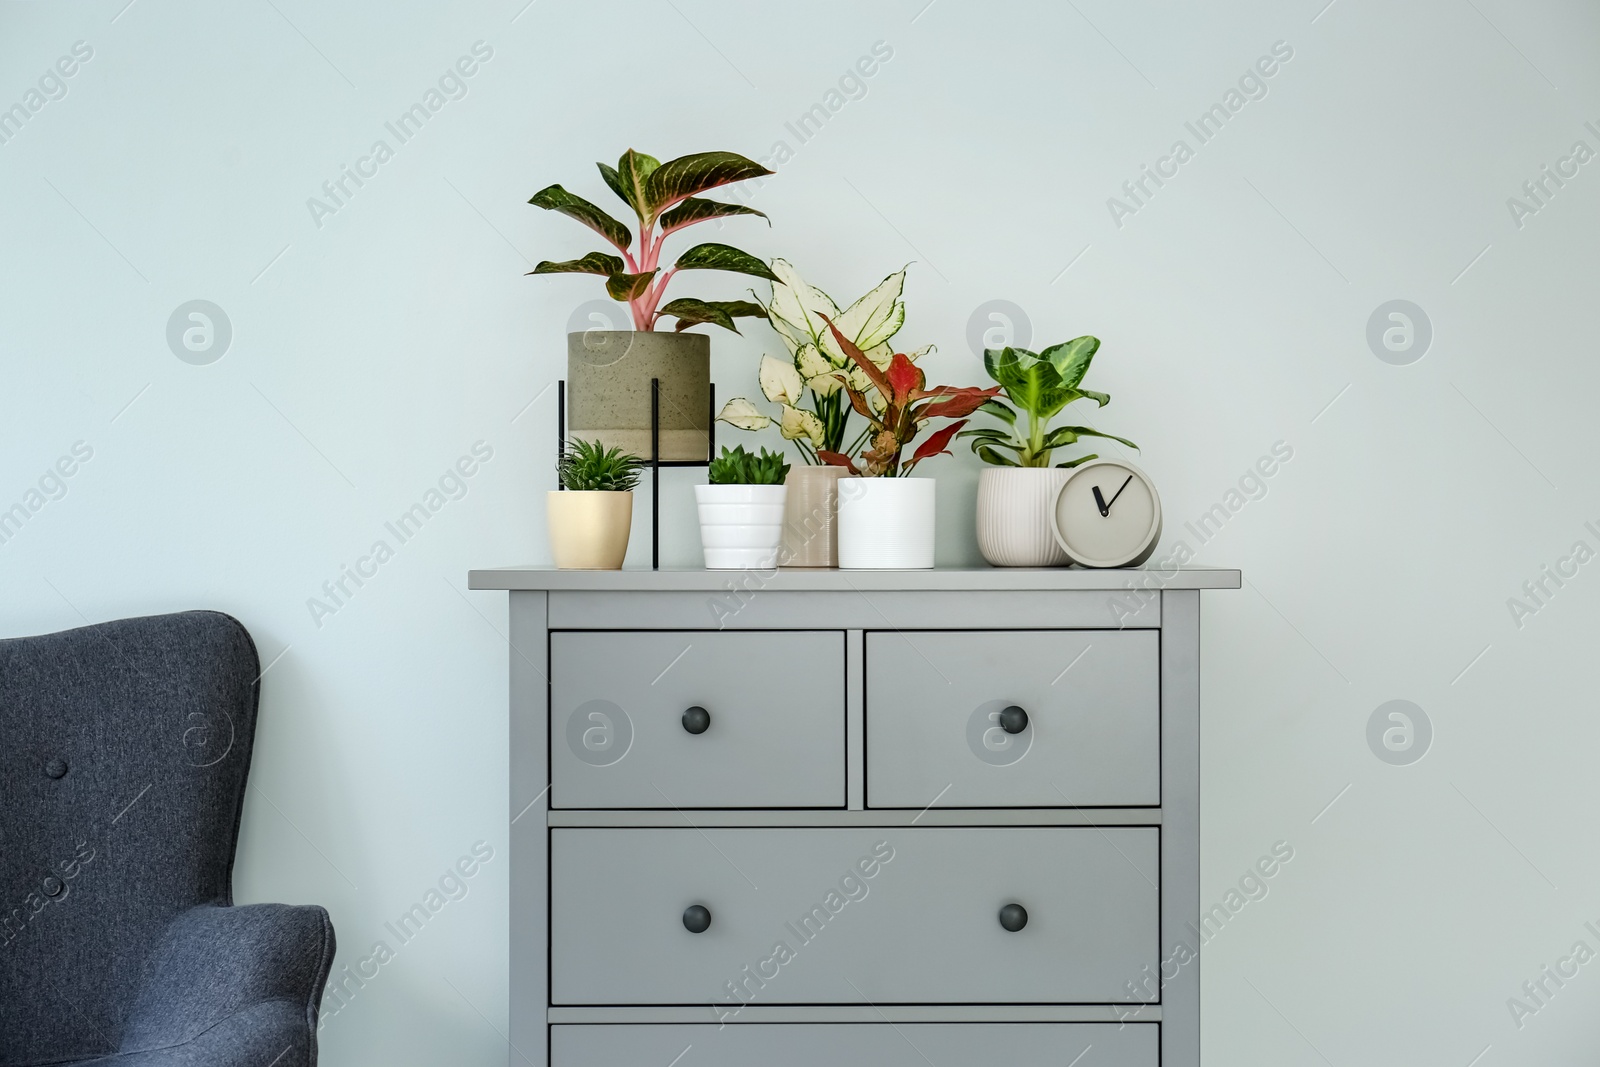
1100	502
1105	508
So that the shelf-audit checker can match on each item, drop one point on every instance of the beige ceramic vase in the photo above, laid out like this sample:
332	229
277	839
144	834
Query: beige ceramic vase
1016	509
811	517
589	530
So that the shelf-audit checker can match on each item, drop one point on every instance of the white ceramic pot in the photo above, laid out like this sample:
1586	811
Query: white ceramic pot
741	526
886	523
1016	506
589	530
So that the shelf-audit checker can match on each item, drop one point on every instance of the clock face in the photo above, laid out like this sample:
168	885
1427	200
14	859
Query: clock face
1108	515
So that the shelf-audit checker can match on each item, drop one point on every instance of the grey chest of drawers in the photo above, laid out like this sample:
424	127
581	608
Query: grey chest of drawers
894	819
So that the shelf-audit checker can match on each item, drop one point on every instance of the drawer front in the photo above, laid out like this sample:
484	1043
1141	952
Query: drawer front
1093	729
773	733
857	1045
841	916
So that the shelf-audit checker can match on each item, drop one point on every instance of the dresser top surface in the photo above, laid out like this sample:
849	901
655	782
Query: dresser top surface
971	579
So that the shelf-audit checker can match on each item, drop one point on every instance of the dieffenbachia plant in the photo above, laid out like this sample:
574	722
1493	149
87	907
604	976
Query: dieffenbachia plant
904	405
1040	384
807	387
664	197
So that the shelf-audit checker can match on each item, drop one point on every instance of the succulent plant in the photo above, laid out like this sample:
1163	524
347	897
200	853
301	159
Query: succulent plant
589	466
737	467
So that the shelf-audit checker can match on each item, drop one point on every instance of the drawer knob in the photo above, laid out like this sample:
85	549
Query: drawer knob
697	720
1013	916
697	918
1013	720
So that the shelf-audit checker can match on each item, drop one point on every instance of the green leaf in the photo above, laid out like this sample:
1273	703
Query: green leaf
633	171
695	210
724	257
1080	459
1071	358
992	457
988	433
1031	382
613	181
691	175
626	287
877	316
1000	410
1066	435
690	312
594	263
555	198
1099	398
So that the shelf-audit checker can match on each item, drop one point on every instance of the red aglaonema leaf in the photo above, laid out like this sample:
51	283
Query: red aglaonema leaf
950	403
869	368
904	377
836	459
937	445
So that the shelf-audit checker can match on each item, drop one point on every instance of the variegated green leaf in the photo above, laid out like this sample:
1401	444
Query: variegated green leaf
593	263
712	256
1080	459
799	305
690	312
626	287
1066	435
555	198
1071	358
796	423
691	175
695	210
634	170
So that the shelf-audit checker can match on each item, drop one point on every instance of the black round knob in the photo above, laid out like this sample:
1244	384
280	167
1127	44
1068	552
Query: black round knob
697	918
1013	720
697	720
1013	917
53	886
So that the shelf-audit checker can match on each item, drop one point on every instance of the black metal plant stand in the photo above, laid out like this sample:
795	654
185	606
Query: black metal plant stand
656	462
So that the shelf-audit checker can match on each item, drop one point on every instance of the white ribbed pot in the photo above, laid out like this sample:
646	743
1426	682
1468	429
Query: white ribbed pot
741	526
886	523
1016	506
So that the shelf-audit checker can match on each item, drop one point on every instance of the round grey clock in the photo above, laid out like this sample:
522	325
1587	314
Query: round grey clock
1107	514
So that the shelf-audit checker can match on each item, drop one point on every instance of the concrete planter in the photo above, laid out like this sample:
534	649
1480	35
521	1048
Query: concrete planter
589	530
1016	512
608	390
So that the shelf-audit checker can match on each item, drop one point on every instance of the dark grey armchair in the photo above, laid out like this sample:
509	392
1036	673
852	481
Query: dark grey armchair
124	749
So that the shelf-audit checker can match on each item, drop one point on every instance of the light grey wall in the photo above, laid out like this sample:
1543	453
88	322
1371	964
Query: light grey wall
371	352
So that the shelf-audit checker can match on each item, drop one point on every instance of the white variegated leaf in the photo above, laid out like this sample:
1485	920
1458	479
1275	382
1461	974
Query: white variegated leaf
876	317
793	336
796	424
743	414
780	382
919	353
800	304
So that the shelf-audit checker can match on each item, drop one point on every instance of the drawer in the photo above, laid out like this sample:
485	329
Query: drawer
1092	735
772	737
857	1045
840	916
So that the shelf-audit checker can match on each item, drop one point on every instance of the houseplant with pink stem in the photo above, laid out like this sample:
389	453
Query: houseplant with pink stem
609	371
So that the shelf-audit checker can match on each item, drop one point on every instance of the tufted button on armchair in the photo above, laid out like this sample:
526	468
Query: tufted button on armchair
124	752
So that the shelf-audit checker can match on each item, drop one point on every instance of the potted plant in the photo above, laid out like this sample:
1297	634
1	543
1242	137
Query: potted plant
591	515
741	511
814	411
886	517
609	371
1017	492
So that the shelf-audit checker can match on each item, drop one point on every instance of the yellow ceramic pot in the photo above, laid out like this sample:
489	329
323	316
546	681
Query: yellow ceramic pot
589	530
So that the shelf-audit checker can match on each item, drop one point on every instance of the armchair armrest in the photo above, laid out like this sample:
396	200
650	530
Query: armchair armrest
248	976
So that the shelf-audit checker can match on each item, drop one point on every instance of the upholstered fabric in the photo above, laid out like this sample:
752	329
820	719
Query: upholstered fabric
124	752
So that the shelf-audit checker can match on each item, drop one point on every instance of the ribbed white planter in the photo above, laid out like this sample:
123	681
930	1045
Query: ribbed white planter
741	526
886	523
1016	506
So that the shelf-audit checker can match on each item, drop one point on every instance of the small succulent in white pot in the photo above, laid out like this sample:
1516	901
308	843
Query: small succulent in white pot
741	511
591	515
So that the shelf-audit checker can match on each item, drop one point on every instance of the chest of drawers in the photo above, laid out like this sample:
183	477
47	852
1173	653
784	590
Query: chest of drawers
812	818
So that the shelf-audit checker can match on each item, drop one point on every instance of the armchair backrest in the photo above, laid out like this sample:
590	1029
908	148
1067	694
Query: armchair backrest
124	752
